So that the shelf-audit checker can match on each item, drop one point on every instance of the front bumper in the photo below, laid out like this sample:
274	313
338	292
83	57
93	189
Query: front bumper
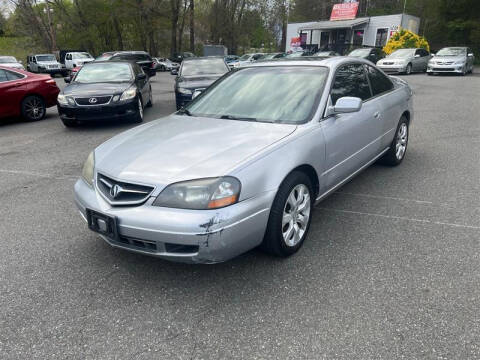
53	71
453	68
112	111
393	69
191	236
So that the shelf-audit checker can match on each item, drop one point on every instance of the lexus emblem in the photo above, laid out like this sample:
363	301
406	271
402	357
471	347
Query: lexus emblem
115	190
92	100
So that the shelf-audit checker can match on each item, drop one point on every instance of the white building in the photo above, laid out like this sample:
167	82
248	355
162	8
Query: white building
340	35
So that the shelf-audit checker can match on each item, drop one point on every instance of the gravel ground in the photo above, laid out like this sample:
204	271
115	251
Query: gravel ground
390	270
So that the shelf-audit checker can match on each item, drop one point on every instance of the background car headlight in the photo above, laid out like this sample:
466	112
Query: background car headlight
87	171
461	62
202	194
184	91
62	99
128	94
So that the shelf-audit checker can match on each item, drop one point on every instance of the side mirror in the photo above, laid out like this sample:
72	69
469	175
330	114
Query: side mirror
196	93
141	76
20	61
347	104
417	55
470	55
67	79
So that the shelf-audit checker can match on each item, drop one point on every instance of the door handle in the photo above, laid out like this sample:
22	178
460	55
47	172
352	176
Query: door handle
376	115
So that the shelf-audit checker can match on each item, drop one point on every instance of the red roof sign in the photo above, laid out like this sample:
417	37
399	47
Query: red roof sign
345	11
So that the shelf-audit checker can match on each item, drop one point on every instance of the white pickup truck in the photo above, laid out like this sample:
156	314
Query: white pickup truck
74	59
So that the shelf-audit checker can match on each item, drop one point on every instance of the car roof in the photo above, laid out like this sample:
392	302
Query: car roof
203	58
109	62
331	62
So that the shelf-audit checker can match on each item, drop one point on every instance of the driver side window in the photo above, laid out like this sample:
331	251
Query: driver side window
350	80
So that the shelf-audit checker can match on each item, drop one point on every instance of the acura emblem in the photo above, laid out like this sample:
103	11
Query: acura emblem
115	190
92	100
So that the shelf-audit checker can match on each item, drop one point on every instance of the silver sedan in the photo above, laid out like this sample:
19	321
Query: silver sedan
405	61
245	162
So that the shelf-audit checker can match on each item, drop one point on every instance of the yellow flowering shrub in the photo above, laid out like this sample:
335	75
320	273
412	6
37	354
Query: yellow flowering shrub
405	39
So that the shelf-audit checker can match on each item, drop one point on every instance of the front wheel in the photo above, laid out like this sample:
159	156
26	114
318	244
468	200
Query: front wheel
408	70
138	118
33	108
398	148
290	216
150	98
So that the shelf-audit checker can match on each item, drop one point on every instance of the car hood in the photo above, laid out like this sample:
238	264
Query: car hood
195	82
95	89
178	148
449	58
13	65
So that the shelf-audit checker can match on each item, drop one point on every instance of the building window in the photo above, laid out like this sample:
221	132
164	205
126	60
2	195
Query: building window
382	35
358	37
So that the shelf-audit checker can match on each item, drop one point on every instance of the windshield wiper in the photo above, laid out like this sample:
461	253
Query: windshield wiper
231	117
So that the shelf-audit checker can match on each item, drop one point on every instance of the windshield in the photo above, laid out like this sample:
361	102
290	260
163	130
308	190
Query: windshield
46	58
7	59
81	56
360	52
204	67
402	53
245	57
452	52
104	72
286	94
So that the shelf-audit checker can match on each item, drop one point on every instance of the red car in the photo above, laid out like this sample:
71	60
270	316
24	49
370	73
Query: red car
25	94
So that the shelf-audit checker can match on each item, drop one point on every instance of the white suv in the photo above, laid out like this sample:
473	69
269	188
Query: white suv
74	59
44	63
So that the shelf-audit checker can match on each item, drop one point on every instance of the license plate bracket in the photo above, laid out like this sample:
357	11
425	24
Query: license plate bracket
103	224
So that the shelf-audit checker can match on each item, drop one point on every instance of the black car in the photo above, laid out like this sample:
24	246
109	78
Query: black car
371	54
105	90
142	58
195	75
179	57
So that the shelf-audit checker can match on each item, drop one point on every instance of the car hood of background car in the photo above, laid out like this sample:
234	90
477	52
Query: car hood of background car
180	148
95	89
449	58
12	65
195	82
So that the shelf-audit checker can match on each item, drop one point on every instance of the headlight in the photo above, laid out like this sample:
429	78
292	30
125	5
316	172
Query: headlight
128	94
202	194
62	99
400	62
87	171
461	62
184	91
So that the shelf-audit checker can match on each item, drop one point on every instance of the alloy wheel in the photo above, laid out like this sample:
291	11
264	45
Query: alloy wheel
140	109
34	108
402	138
296	214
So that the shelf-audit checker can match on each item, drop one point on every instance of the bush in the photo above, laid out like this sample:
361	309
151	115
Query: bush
405	39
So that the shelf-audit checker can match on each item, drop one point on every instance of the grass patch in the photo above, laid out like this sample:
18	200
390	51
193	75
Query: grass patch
19	47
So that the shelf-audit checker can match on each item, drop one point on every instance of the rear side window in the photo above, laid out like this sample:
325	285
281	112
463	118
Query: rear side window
3	76
350	80
379	82
13	75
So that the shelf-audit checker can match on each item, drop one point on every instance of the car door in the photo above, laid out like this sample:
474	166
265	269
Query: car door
417	61
12	89
352	139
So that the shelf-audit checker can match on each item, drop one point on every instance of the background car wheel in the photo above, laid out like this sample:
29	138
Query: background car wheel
138	118
150	99
408	70
33	108
162	68
290	216
69	123
398	148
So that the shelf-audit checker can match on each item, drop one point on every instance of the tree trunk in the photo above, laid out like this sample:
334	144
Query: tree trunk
192	26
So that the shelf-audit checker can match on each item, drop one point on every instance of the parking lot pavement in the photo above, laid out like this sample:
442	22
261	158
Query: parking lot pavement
390	270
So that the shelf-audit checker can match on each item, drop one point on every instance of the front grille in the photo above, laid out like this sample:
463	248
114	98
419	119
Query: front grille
94	100
122	193
443	69
444	62
53	66
134	243
388	63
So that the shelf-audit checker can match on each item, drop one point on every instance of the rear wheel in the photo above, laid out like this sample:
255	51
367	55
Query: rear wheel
290	216
408	70
398	148
33	108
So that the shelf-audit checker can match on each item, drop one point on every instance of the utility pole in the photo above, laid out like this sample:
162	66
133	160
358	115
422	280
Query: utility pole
51	29
404	6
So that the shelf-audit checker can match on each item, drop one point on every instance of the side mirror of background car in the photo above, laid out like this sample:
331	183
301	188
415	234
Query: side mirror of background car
417	55
141	76
470	55
347	104
67	79
196	93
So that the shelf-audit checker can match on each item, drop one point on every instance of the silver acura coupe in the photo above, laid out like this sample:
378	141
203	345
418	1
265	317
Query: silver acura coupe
244	163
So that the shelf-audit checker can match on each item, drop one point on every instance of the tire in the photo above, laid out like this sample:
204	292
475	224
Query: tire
408	70
138	117
69	123
283	239
150	99
162	68
394	156
429	73
33	108
464	71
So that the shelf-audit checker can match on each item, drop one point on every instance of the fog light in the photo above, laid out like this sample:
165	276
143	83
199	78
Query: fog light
116	97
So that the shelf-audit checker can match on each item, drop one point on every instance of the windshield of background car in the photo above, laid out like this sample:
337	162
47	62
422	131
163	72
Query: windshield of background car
7	60
105	72
360	52
402	53
452	52
46	58
295	54
323	53
287	94
244	57
104	57
81	56
204	67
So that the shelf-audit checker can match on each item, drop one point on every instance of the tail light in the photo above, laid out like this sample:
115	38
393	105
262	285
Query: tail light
152	65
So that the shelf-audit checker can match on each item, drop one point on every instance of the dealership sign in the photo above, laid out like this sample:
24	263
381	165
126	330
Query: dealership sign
296	42
344	11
